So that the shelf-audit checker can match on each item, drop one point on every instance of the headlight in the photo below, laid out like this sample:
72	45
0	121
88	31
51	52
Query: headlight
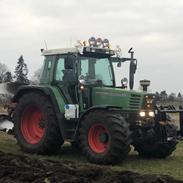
151	114
147	114
142	114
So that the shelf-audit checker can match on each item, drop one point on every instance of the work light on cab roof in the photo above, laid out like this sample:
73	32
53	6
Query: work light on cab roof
93	47
93	42
106	43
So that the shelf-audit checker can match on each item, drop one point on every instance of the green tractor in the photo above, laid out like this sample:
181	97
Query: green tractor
78	101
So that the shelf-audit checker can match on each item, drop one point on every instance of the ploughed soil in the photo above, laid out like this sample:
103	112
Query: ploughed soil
18	169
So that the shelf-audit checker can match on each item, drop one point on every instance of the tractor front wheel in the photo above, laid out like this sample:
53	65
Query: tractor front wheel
155	148
105	137
35	125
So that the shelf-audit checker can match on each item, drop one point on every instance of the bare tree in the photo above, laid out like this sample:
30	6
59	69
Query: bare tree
163	95
8	77
172	97
36	77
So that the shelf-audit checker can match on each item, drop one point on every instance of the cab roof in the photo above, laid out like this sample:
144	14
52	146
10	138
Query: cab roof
60	51
83	51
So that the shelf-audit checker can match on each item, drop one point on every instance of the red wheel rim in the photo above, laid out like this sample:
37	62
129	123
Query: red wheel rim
98	138
32	126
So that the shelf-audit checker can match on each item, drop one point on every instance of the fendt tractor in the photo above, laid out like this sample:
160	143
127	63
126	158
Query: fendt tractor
78	101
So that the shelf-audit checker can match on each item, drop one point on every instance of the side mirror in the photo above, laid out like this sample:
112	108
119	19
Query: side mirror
133	68
119	62
82	79
124	83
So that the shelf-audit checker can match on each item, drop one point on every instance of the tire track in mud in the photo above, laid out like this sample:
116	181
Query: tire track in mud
23	169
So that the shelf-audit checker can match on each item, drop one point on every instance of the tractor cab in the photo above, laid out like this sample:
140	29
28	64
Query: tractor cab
77	71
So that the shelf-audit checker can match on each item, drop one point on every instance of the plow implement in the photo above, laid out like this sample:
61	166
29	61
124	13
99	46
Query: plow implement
164	114
7	91
6	123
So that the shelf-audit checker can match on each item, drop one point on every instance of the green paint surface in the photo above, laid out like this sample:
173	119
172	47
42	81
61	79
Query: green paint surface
126	99
58	95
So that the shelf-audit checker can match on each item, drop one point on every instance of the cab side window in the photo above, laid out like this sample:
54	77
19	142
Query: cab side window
84	67
46	74
59	69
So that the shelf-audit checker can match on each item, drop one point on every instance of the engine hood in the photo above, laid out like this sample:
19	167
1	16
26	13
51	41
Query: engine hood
126	99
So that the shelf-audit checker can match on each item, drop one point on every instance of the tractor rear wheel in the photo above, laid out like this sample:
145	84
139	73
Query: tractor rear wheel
105	137
35	125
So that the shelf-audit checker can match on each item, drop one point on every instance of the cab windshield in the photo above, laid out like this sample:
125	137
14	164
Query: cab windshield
97	68
121	71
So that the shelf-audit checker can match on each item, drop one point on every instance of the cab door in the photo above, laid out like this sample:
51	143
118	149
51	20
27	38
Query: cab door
66	77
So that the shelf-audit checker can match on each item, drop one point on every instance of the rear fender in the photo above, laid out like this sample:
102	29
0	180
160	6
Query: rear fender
48	93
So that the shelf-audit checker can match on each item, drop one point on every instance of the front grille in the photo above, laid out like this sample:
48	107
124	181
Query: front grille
134	102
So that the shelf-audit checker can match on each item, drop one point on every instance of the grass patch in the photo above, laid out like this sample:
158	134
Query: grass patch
172	165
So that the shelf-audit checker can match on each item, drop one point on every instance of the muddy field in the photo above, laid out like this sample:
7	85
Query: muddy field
15	168
19	169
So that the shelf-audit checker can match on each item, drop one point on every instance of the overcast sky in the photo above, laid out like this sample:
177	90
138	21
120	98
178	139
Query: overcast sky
153	28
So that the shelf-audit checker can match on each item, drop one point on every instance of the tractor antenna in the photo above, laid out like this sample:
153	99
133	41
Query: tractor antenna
70	42
45	44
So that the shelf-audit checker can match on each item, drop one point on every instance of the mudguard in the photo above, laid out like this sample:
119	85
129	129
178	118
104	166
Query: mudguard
49	93
104	107
101	107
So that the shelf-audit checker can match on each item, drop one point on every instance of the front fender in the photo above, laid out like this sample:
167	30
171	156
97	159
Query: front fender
101	107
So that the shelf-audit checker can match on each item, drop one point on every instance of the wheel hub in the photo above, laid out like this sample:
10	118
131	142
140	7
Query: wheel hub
42	124
98	138
32	125
104	138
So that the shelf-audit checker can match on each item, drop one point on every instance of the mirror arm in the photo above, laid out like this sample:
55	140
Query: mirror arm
128	59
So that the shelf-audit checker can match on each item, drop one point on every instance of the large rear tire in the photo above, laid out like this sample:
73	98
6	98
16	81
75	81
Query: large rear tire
35	125
105	137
